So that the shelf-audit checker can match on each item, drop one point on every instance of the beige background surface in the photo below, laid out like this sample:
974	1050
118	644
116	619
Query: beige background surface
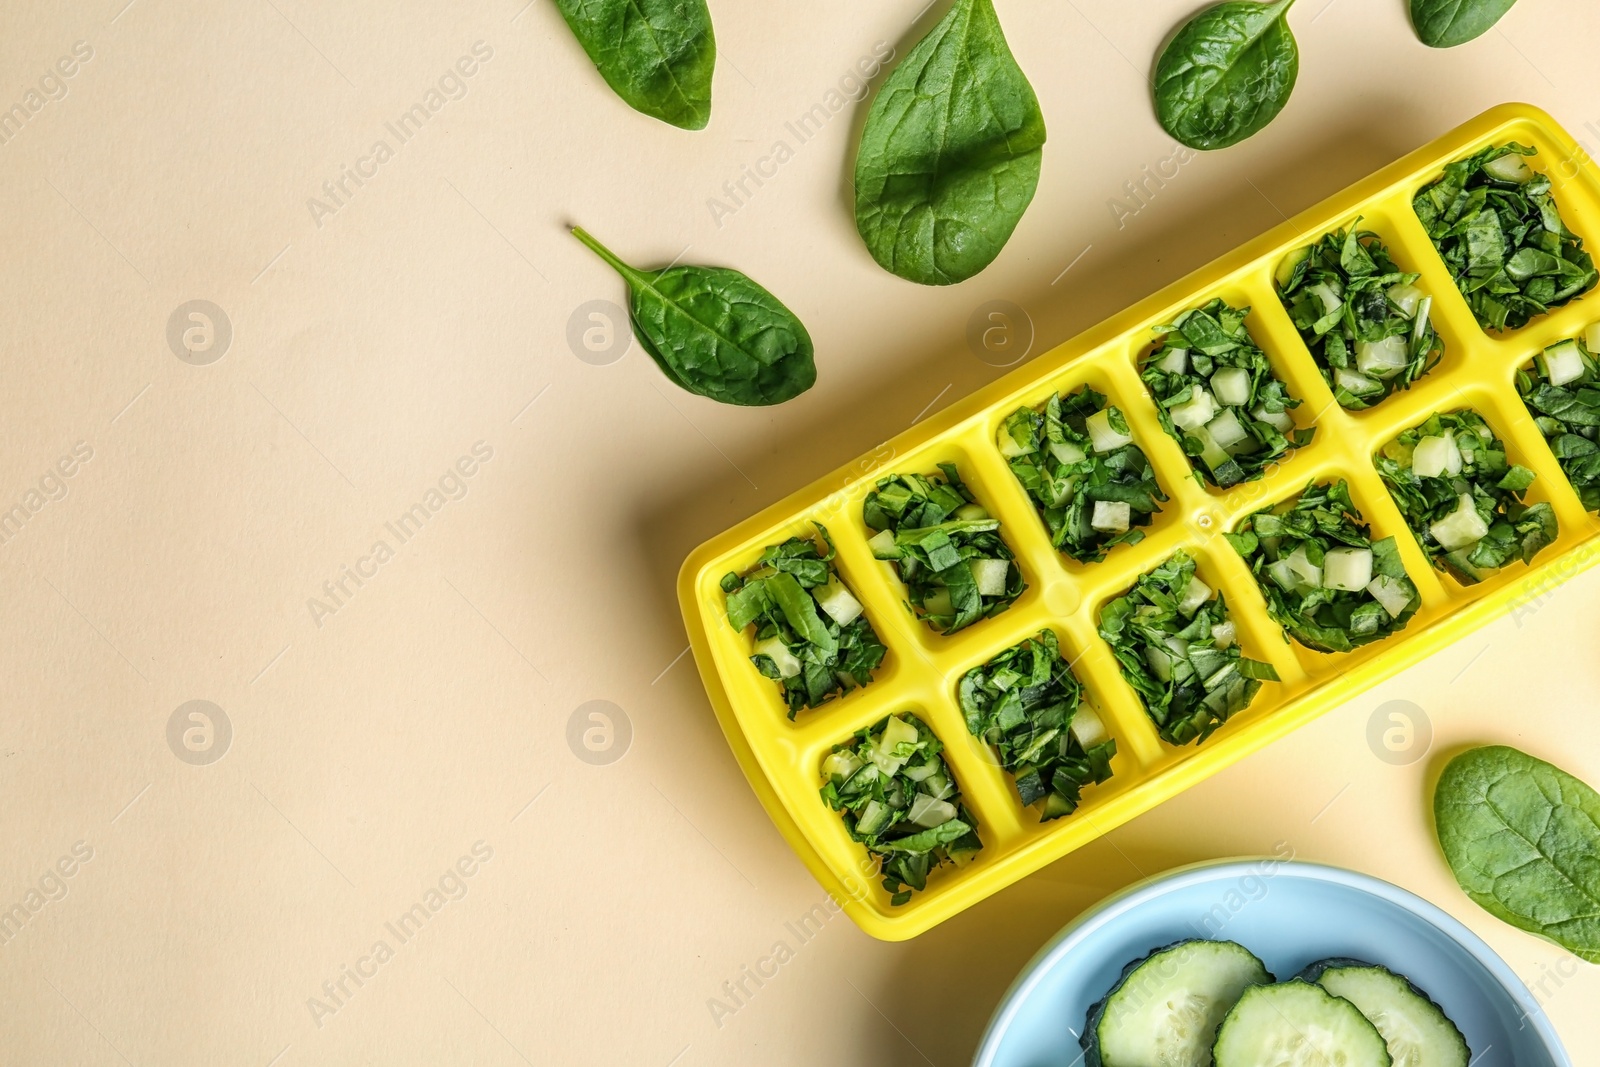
374	746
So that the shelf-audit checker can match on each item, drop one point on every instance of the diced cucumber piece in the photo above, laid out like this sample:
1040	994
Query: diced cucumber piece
1009	446
1286	266
1212	454
1419	325
1174	361
883	546
1067	452
1226	430
1348	569
1436	457
1231	385
1416	1030
1087	727
1105	437
1281	421
1355	384
837	601
1194	594
1280	571
896	731
1111	516
1166	1008
990	575
1160	662
1330	300
929	812
873	817
1393	593
1224	634
1510	168
938	602
778	652
841	765
1462	527
970	513
1562	362
1297	1024
1195	412
1406	297
1591	337
1382	359
1309	573
1469	572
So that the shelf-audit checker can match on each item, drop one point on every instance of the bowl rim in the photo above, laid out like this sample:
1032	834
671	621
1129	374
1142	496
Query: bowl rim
1138	893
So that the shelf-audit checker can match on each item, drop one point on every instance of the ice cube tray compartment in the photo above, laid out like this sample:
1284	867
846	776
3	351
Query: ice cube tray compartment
922	668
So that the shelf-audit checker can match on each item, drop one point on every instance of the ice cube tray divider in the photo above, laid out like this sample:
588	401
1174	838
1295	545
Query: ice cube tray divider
919	675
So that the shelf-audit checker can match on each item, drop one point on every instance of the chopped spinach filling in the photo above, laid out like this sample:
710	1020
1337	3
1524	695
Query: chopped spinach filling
1495	223
1179	650
1326	582
1363	318
1076	459
1462	498
813	654
899	799
945	546
1028	704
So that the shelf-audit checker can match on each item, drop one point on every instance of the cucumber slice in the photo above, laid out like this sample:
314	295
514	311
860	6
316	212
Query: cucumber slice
1417	1031
1166	1007
1297	1024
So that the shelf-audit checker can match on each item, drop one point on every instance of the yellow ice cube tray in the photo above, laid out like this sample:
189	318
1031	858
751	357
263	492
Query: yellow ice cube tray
920	672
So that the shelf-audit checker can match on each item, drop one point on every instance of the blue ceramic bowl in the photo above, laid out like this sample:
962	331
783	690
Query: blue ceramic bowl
1290	914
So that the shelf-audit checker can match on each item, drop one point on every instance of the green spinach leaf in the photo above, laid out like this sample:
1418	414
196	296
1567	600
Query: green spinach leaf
899	799
1495	223
657	55
1562	390
1461	498
715	332
1028	704
1076	459
1226	73
950	154
1179	650
1447	23
945	546
1216	395
1363	318
811	635
1521	837
1326	582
